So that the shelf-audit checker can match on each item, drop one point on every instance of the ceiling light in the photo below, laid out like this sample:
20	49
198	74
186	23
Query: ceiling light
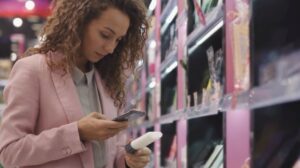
17	22
29	5
13	57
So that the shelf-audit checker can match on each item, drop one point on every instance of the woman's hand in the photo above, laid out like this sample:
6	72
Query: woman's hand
246	163
96	127
139	159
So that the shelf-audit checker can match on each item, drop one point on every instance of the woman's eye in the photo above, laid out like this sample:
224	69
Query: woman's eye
104	35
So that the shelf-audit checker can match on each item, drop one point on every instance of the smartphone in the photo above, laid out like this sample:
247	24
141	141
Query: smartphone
131	115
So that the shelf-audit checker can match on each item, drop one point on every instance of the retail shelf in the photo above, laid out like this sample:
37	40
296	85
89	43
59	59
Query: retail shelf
167	10
214	22
169	63
151	7
150	84
273	93
190	113
238	100
201	111
171	117
276	92
145	124
168	15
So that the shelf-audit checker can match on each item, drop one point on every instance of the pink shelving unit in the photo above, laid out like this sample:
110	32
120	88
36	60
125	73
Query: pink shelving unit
237	127
233	113
237	123
157	81
181	123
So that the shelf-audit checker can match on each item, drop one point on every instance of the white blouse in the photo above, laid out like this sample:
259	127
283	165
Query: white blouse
90	102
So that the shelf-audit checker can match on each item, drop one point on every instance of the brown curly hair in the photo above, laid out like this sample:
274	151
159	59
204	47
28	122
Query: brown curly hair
64	29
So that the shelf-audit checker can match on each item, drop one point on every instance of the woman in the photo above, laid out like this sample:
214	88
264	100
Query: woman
62	96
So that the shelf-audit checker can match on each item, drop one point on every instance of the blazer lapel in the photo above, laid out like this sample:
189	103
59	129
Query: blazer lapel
66	91
67	95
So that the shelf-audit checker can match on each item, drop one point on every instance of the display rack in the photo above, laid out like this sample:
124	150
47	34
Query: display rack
274	100
194	105
170	72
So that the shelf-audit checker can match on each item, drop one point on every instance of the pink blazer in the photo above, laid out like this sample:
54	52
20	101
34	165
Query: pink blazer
39	124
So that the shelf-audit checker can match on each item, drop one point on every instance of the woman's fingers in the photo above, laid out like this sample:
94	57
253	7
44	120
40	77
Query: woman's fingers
144	152
116	124
139	159
96	127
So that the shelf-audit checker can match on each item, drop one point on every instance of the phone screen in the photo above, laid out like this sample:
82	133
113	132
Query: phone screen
129	116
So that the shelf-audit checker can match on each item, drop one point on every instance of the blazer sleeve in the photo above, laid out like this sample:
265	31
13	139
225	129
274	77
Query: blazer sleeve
19	145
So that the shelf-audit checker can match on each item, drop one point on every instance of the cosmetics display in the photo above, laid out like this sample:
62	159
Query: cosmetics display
221	82
200	12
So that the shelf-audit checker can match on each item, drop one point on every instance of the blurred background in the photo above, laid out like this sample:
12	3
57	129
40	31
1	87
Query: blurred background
20	23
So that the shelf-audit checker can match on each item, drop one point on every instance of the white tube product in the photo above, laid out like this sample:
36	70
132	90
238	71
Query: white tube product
142	141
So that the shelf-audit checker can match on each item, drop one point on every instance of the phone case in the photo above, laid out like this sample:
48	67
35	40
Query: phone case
131	115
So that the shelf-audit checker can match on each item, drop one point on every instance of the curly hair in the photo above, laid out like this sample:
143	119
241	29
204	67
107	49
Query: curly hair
64	30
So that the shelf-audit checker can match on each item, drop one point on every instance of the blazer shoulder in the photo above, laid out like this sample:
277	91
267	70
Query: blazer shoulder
32	59
32	62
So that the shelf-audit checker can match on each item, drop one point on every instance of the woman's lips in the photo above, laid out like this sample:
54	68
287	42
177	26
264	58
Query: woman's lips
99	54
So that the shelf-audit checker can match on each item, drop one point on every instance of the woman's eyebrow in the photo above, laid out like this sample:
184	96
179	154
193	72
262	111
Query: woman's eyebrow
111	30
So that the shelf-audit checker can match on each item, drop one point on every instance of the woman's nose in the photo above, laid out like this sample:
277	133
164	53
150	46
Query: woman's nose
110	47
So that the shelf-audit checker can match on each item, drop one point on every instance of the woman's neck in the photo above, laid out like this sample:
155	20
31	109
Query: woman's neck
84	66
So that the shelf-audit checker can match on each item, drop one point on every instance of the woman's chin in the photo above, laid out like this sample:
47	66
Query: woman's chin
95	60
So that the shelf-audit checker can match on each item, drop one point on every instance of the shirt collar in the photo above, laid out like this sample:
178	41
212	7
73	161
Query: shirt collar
79	77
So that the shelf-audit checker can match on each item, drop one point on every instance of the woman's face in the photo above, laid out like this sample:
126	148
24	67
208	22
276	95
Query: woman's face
103	34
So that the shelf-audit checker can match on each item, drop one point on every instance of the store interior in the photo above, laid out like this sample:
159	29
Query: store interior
220	79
